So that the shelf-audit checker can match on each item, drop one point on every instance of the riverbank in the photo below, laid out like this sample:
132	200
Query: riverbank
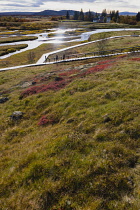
12	48
17	39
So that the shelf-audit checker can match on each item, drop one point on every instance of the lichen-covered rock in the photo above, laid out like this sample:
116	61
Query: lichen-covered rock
17	115
107	118
58	79
3	100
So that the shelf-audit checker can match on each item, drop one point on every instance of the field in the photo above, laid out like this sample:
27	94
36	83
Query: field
17	39
69	132
117	43
12	48
23	58
75	143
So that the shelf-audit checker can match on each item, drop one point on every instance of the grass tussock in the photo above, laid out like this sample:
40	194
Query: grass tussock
12	48
17	39
76	145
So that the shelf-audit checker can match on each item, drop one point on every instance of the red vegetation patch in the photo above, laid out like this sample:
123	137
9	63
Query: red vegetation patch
47	119
95	69
44	121
55	85
105	62
135	59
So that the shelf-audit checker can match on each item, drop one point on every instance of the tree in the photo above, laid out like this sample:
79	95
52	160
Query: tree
90	16
67	15
104	13
114	15
117	16
76	15
81	16
138	16
102	44
31	56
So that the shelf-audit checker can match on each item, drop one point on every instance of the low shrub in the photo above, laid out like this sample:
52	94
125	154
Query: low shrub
55	85
48	119
44	121
11	50
135	59
95	69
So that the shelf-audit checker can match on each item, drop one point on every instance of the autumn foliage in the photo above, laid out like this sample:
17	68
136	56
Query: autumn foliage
135	59
63	78
45	87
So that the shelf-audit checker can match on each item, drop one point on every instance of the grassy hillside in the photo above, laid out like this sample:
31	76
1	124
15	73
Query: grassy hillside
75	144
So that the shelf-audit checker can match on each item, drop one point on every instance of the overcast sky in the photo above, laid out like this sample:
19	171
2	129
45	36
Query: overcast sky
93	5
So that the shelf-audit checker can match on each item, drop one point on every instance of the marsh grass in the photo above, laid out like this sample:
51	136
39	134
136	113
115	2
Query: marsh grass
17	39
12	48
82	160
112	44
23	57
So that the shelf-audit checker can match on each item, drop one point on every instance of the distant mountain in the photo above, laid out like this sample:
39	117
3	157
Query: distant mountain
128	13
54	13
42	13
15	13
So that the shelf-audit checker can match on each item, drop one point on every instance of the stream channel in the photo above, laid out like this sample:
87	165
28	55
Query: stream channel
60	37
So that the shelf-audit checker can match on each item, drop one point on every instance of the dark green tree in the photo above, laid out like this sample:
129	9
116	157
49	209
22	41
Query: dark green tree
104	13
96	15
138	16
114	15
117	16
67	15
81	16
76	15
90	16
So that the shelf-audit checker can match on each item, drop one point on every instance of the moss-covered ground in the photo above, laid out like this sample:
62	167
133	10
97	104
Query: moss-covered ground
76	145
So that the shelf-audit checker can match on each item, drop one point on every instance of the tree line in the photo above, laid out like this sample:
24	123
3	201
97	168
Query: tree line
114	16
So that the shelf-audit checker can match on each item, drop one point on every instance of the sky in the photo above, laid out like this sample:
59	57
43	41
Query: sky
93	5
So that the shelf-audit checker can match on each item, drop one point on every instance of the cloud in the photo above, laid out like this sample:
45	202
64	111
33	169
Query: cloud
94	5
21	3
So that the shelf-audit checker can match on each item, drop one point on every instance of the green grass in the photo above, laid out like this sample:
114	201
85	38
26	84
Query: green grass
113	33
23	57
12	48
91	25
111	44
17	39
22	32
87	157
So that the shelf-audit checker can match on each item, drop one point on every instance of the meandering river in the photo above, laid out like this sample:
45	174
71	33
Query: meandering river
60	37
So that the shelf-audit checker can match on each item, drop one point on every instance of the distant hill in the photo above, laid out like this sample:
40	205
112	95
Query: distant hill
128	13
15	13
54	13
42	13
